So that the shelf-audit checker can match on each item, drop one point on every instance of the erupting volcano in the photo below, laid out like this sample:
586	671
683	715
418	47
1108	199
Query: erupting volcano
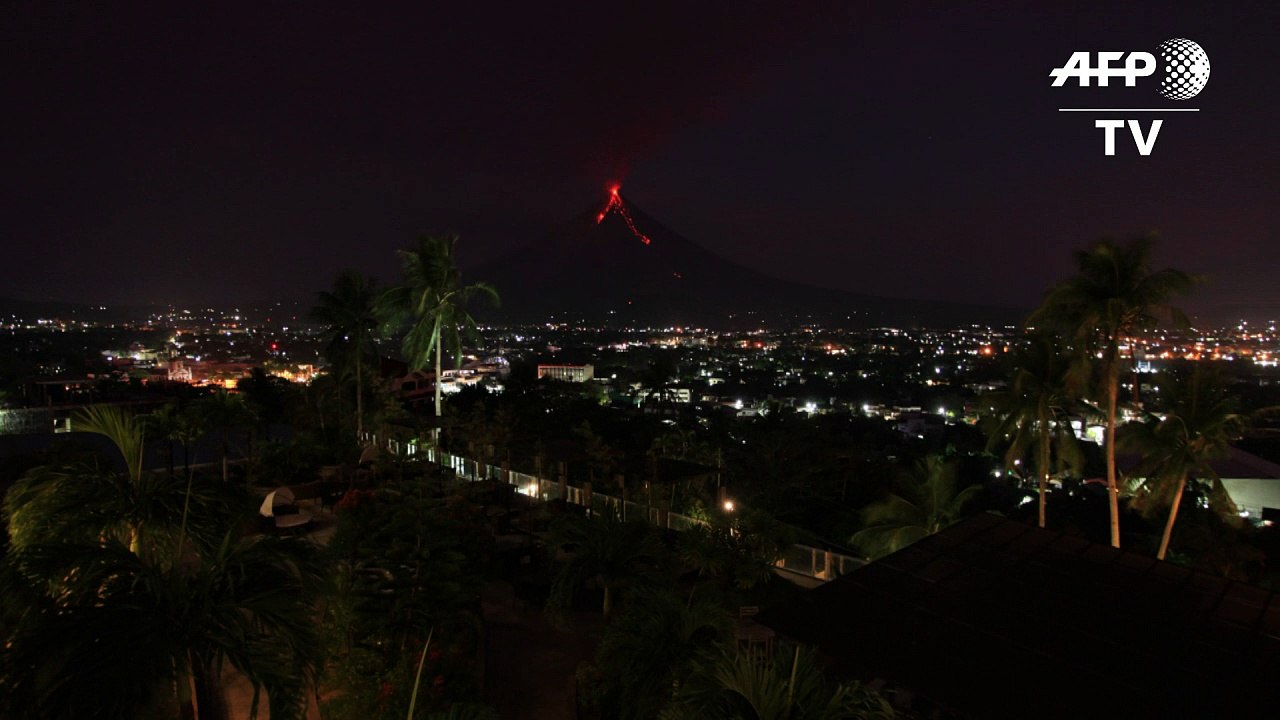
616	205
616	263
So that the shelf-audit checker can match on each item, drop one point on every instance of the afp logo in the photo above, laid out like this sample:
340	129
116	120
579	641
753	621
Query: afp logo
1186	72
1186	67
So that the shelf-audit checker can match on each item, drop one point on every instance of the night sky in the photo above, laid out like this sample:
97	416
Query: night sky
238	154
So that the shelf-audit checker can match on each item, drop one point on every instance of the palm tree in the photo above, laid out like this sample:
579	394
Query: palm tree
82	501
657	379
740	551
351	317
106	634
649	651
923	502
126	431
190	428
433	302
268	396
1030	417
604	549
1114	296
729	687
1197	428
165	424
111	608
601	457
223	411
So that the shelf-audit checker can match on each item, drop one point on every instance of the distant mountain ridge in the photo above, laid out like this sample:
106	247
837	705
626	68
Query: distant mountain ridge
112	313
49	309
617	263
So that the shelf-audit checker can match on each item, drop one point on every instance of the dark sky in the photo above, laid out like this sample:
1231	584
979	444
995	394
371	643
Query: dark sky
240	153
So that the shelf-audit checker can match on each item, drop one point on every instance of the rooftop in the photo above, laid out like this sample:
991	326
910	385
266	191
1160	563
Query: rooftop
995	618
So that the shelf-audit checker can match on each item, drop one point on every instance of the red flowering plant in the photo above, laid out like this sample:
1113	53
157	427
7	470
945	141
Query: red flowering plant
353	498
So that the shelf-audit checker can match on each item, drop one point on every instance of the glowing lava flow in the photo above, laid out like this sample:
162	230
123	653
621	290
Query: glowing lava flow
616	205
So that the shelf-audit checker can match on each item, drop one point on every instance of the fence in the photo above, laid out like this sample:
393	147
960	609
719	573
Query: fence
808	561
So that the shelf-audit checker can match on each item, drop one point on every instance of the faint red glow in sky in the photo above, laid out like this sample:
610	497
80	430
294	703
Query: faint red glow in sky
615	204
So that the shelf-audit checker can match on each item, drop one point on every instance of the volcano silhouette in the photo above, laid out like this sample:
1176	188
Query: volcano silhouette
617	264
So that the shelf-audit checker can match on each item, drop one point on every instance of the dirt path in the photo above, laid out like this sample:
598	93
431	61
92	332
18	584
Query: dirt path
530	665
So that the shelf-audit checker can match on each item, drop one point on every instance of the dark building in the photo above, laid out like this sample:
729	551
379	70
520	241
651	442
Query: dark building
993	618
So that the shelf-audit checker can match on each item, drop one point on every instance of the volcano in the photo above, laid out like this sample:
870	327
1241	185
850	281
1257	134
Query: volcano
616	264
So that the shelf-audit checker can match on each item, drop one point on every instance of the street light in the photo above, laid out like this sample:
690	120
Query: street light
728	506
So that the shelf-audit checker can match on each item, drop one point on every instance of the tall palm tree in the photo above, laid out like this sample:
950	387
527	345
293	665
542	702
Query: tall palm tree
1113	296
923	501
1030	417
433	303
352	319
1197	427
